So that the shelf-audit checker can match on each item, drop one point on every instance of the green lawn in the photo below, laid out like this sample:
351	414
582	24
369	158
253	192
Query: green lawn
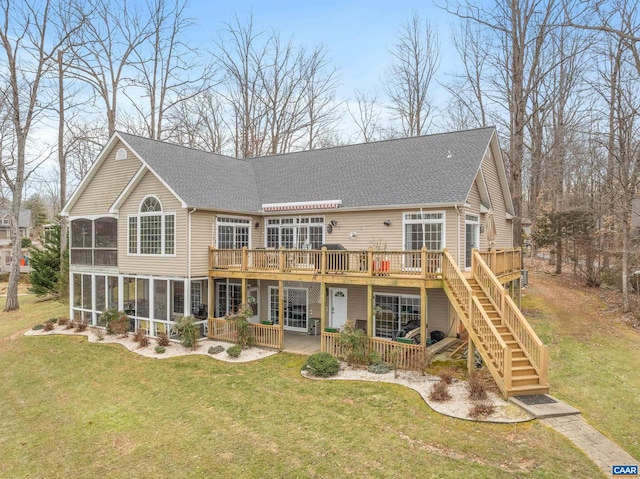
69	408
595	358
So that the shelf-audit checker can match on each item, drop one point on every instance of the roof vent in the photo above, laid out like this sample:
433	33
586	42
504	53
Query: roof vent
121	154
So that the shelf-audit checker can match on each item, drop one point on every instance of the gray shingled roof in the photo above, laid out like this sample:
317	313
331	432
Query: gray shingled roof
24	217
430	169
201	179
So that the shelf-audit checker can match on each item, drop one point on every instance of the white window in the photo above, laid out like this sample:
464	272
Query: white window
295	233
152	231
233	233
228	298
424	229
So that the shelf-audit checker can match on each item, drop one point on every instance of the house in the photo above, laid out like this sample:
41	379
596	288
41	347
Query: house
390	234
24	224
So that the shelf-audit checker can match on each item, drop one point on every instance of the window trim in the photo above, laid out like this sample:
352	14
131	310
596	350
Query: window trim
163	232
399	297
235	221
406	221
295	223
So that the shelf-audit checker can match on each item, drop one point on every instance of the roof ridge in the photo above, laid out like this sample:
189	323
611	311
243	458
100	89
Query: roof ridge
167	142
363	143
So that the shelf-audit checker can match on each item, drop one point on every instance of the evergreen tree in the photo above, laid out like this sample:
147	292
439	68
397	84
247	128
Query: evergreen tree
45	266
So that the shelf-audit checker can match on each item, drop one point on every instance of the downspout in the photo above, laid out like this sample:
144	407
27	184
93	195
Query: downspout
187	293
457	207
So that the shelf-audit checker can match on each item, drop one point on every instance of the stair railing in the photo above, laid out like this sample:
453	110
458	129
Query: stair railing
512	317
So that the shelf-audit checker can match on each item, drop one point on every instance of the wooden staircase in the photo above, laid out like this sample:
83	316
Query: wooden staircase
525	379
509	347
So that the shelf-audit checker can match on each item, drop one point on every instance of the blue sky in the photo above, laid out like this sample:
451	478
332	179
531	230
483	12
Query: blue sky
357	34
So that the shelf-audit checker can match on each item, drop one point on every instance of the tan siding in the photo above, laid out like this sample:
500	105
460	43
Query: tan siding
156	265
202	229
504	238
107	184
438	312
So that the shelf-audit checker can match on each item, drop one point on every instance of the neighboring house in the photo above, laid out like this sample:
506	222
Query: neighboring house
24	223
161	231
6	260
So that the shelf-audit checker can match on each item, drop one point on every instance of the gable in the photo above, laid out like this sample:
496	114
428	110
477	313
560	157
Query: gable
104	182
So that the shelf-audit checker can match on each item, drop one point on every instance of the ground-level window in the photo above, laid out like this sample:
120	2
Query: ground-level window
295	233
152	303
228	298
393	312
295	312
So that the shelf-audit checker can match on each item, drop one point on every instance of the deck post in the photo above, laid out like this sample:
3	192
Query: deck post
370	261
244	258
370	311
423	317
243	297
323	262
281	313
281	259
471	357
423	262
323	312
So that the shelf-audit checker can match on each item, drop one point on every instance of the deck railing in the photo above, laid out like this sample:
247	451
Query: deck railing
265	335
419	263
402	356
503	261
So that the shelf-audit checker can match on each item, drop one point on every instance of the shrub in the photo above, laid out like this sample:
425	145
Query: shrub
98	332
69	325
234	351
162	338
63	321
160	349
49	326
476	388
138	335
143	339
37	327
322	365
440	392
379	368
244	330
117	322
52	320
354	343
374	358
215	349
185	328
481	409
80	326
446	375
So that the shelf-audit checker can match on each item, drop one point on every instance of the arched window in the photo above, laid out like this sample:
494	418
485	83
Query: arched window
152	231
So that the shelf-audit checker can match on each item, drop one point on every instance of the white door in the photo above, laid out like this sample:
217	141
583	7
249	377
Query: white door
337	307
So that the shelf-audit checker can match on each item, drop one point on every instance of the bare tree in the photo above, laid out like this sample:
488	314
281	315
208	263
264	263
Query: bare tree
467	89
168	72
280	97
104	51
367	116
520	29
30	38
415	61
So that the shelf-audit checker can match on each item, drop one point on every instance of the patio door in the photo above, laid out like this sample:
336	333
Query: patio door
472	238
337	307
